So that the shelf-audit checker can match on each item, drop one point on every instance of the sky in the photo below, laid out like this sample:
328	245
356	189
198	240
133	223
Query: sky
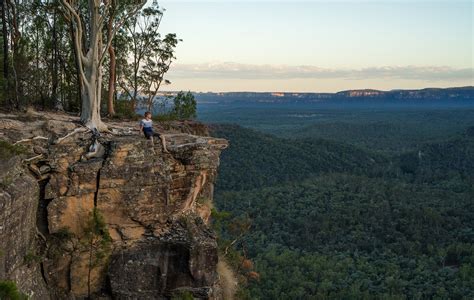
319	46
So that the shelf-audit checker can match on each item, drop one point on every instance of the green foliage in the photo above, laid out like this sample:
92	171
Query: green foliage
31	257
184	106
6	182
331	220
256	160
203	200
470	132
184	295
143	56
40	61
442	161
389	130
124	109
8	150
41	67
156	65
230	233
63	234
164	117
336	236
9	291
96	232
98	242
218	217
58	242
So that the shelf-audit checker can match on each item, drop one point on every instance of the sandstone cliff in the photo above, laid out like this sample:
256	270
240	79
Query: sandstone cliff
128	222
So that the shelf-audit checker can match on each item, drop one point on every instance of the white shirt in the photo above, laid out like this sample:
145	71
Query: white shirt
146	123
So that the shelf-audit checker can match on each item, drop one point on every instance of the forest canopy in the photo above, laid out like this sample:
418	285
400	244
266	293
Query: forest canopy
331	220
68	55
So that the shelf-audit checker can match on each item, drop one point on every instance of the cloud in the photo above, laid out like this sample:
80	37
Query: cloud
232	70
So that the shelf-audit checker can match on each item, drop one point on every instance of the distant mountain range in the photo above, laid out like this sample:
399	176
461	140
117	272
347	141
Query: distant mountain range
455	94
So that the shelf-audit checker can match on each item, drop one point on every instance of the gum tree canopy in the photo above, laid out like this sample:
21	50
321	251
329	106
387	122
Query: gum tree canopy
88	19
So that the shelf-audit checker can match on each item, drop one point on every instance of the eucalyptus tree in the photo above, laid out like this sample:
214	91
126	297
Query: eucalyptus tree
5	49
142	38
11	36
91	45
112	66
38	66
156	65
35	74
23	35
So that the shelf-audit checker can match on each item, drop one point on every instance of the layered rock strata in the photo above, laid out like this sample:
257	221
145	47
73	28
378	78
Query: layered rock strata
127	221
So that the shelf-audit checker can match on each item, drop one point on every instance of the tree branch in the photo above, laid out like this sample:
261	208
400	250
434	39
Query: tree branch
118	26
77	38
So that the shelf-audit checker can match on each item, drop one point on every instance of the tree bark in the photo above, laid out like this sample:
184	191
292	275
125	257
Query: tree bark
78	65
111	93
112	71
90	53
54	66
6	73
14	41
91	93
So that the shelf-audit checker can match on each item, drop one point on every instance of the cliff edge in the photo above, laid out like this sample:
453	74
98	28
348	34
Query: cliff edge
109	215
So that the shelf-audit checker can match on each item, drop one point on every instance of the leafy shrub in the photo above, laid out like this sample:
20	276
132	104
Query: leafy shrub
31	257
183	295
9	291
184	106
124	110
8	150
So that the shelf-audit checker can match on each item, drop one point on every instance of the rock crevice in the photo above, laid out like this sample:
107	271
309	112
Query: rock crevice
160	243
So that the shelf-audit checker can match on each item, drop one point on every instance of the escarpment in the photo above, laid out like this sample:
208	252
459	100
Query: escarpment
127	221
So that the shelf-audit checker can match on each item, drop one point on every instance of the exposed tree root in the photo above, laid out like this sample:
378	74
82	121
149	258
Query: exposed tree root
34	169
38	233
99	126
96	150
77	130
32	139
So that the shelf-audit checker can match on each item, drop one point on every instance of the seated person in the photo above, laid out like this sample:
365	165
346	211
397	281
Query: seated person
146	126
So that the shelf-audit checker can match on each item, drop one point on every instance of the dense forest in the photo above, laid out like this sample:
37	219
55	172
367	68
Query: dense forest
335	215
68	55
311	202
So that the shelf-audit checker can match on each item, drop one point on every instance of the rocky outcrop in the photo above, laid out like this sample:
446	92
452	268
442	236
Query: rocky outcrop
129	222
182	259
19	194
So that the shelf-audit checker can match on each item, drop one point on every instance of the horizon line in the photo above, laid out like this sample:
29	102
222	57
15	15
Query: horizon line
341	91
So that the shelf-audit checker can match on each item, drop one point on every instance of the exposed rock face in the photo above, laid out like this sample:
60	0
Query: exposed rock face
153	205
183	259
18	204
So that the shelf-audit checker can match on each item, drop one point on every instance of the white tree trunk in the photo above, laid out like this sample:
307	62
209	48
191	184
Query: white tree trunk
91	96
91	90
90	63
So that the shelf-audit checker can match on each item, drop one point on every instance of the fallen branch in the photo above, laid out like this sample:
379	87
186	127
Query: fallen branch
33	158
32	139
77	130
